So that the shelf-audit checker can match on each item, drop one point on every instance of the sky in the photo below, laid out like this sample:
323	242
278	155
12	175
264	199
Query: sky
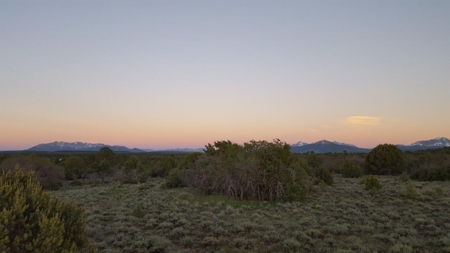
181	74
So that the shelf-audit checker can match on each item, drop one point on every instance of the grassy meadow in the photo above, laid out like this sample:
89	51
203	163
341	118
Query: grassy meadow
343	217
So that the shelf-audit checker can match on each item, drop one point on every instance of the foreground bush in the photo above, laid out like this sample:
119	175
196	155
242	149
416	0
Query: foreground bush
32	221
385	159
256	170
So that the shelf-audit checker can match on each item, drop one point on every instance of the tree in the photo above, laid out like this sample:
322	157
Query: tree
107	154
385	159
32	221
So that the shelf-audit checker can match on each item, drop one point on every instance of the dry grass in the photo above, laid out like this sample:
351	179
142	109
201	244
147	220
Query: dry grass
343	217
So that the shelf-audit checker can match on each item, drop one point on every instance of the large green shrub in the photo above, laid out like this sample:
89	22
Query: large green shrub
32	221
256	170
385	159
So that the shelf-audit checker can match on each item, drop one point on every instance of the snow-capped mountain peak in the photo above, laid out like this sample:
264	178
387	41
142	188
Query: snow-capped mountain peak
326	142
436	142
323	142
343	144
299	144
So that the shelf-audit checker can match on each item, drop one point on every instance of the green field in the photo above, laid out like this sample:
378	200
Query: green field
343	217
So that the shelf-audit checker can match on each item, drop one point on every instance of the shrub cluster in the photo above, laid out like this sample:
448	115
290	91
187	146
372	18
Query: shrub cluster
49	175
256	170
32	221
439	173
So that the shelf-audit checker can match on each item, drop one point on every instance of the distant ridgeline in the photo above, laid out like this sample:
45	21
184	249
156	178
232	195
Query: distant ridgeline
325	146
60	146
78	146
322	146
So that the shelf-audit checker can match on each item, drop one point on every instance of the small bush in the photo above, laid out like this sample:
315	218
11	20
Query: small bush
323	174
411	191
371	183
404	177
158	244
187	241
145	187
351	170
438	190
241	243
211	241
322	185
138	211
292	244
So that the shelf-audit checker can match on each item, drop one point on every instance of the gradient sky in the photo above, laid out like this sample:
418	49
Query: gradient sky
166	74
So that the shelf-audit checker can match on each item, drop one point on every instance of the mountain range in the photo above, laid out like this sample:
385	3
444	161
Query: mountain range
439	142
79	146
92	147
322	146
325	146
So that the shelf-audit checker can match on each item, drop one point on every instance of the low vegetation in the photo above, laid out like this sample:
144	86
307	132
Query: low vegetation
255	197
343	217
